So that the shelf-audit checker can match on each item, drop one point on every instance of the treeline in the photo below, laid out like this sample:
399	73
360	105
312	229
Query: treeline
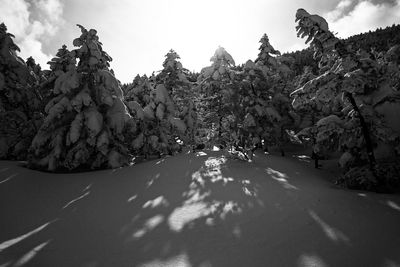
380	40
333	97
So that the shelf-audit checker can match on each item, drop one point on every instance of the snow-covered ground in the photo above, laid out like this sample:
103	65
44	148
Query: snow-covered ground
202	209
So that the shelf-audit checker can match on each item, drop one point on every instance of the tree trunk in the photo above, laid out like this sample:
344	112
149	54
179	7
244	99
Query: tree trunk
219	128
281	142
367	137
219	119
314	155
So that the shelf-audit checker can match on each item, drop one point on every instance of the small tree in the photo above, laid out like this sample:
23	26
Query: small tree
139	90
157	126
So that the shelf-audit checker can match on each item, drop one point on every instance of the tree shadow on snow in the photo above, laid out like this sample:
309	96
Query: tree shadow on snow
203	209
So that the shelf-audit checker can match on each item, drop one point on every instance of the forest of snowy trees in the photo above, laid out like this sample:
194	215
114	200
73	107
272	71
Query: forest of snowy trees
340	98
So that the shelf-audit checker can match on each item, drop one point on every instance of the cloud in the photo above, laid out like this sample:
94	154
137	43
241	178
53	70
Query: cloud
353	17
341	9
32	23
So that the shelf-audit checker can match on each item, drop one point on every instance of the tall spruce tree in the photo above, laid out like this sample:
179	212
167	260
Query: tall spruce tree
280	116
174	77
86	118
217	84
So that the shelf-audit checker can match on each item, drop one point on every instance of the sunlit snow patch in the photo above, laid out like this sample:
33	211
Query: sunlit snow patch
196	205
11	242
76	199
149	225
158	201
281	178
30	254
311	260
152	180
185	214
247	189
393	205
212	162
132	198
304	158
8	178
180	260
332	233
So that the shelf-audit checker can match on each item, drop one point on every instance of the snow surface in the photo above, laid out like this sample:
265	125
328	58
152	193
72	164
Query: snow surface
203	209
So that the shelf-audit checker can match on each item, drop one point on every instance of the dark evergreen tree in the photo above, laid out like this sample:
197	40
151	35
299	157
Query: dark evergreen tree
20	115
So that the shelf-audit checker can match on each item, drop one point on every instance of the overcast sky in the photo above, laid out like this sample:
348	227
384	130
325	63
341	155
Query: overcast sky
138	34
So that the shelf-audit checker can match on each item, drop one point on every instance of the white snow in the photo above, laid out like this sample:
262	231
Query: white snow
193	210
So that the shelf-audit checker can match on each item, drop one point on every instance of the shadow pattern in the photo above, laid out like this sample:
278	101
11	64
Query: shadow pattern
203	209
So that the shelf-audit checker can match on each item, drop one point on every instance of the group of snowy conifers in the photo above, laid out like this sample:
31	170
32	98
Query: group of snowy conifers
248	106
89	120
354	99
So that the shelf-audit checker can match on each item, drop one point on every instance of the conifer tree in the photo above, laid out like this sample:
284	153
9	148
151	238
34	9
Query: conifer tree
20	114
280	117
138	92
174	77
348	90
86	118
217	83
164	110
157	127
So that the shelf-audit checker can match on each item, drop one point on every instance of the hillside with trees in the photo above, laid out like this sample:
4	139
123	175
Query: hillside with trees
380	40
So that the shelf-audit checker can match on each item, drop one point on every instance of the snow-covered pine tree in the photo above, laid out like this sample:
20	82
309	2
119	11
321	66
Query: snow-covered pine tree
217	84
35	70
58	66
157	126
251	125
20	115
42	83
267	56
308	115
161	123
279	113
86	118
139	91
174	77
348	90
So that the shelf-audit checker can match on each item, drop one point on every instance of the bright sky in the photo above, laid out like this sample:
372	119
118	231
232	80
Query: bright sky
138	34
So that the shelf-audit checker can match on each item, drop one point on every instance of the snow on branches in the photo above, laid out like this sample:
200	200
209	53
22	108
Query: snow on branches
86	118
19	101
218	85
163	106
348	91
